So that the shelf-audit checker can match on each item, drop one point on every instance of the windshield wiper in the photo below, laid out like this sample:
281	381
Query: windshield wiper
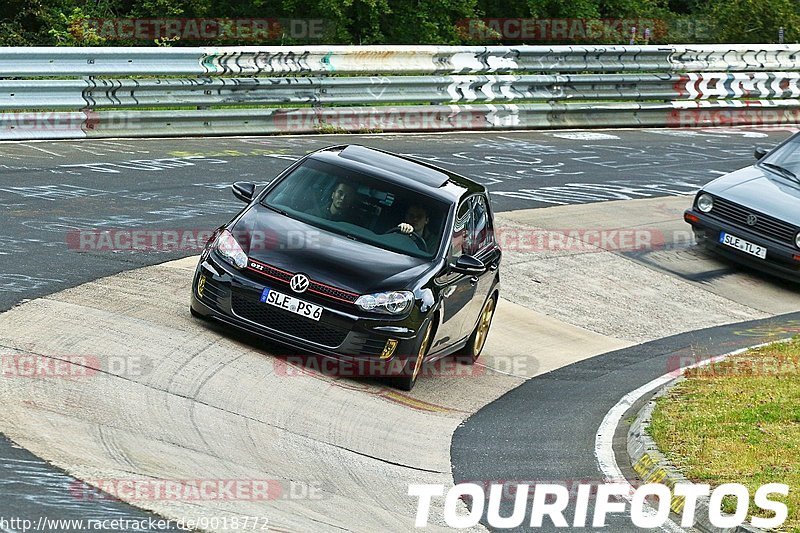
273	208
785	172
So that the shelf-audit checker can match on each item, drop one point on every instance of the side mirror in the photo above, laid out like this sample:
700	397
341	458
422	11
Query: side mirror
466	264
244	191
759	152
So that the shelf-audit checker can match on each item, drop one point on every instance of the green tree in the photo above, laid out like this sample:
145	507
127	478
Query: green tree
753	21
427	21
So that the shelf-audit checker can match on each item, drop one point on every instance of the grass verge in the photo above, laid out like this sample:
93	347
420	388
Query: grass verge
738	421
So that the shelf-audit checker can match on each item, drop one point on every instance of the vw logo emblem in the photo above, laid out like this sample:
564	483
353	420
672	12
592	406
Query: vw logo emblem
299	283
752	220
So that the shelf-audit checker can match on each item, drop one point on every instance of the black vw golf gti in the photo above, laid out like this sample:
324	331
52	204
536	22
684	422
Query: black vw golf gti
361	255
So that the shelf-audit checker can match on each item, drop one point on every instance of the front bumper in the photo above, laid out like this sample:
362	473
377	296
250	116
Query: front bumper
780	260
342	333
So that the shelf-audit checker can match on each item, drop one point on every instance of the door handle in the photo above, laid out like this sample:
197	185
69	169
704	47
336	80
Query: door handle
493	267
473	280
448	291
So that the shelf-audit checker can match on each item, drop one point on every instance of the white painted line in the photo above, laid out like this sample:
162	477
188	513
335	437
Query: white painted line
584	136
41	150
603	449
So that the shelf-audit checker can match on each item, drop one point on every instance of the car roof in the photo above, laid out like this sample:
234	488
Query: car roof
402	170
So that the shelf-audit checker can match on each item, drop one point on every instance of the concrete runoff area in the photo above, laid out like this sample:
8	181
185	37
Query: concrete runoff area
211	405
199	402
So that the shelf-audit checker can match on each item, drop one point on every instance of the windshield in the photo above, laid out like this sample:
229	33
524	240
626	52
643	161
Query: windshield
784	158
361	208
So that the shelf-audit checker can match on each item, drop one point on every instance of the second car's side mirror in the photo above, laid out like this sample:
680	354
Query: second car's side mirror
466	264
244	191
759	152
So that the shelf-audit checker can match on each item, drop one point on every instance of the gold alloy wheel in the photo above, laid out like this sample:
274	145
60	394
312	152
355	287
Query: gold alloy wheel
421	355
483	327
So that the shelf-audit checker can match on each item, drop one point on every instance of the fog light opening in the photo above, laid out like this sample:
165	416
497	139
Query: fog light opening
201	284
388	350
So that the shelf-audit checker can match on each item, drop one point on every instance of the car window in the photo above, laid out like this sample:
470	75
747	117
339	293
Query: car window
786	156
461	240
484	235
361	207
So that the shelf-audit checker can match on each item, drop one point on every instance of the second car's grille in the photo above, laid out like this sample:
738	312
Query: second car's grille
765	225
248	306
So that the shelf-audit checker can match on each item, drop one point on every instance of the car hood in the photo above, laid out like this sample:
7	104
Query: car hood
295	246
760	190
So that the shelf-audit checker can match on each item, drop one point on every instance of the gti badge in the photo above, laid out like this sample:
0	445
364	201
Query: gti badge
752	220
298	283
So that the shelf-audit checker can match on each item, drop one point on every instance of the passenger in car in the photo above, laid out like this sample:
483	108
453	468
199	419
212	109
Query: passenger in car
342	205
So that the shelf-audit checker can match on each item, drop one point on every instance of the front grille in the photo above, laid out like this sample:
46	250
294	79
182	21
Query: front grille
767	226
313	286
332	292
271	271
247	305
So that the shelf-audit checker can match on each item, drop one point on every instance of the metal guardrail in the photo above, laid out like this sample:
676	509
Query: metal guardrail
205	91
487	87
361	60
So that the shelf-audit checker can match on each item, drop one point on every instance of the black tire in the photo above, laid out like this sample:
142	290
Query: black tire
477	340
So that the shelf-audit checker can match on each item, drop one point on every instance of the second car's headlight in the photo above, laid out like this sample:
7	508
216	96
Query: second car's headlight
229	249
392	303
705	202
797	240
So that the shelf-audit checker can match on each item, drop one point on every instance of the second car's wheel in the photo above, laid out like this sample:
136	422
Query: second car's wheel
470	353
413	365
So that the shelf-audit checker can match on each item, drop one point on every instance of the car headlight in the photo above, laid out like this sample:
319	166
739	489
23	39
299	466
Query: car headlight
705	202
229	249
392	303
797	240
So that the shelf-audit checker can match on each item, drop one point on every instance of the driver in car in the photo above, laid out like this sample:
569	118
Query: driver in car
416	221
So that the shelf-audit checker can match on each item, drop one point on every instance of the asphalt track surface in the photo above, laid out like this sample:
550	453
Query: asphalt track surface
548	424
49	190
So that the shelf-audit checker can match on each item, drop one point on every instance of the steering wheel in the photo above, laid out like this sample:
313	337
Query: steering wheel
418	240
